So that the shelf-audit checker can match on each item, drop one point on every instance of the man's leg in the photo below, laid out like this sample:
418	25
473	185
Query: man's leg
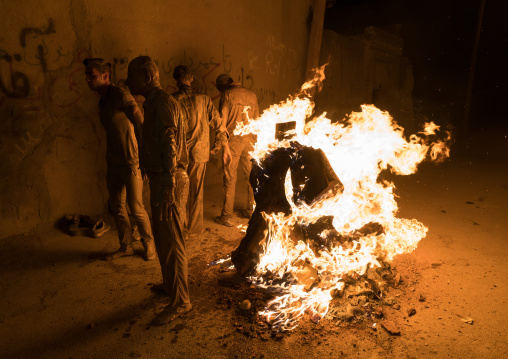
168	236
196	172
246	164
230	173
117	192
134	188
181	194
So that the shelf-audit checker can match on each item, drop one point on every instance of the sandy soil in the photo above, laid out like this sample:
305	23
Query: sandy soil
59	300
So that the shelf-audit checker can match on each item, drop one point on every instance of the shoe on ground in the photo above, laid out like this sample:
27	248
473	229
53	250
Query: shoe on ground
100	228
80	225
247	213
224	221
150	252
159	288
171	313
122	252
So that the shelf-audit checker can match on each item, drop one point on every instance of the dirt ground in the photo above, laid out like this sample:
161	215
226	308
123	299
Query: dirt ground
58	299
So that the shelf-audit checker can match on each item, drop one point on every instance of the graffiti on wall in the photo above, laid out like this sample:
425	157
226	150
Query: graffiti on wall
205	72
14	150
28	71
33	52
278	60
40	67
66	91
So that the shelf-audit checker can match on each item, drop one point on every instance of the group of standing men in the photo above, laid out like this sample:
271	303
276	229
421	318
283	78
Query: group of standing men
170	146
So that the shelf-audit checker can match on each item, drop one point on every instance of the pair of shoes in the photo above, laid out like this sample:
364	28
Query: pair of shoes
79	225
122	252
100	228
224	221
159	288
247	213
150	252
171	313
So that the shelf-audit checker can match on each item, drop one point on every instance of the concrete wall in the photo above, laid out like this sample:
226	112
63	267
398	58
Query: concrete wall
52	144
366	69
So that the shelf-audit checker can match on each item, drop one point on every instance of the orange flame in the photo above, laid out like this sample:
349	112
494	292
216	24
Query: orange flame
358	150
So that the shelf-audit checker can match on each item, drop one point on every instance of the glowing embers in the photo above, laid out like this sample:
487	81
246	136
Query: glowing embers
322	217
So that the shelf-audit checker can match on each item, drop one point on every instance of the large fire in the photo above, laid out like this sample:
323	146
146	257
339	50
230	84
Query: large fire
358	149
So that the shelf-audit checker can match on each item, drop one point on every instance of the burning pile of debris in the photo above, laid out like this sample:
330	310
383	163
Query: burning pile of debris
324	227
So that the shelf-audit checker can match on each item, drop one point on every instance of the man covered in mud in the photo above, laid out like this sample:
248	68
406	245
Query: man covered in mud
233	102
164	155
122	119
201	115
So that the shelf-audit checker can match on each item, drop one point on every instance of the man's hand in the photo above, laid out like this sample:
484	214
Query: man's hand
142	166
144	177
226	155
215	150
166	199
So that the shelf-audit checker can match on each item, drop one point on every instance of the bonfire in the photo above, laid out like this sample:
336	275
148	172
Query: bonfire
325	225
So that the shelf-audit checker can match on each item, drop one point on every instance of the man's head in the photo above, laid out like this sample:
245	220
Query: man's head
142	75
183	75
98	73
223	82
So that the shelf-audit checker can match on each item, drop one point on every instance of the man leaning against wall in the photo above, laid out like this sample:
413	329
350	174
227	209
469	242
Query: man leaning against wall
122	121
165	161
233	102
201	115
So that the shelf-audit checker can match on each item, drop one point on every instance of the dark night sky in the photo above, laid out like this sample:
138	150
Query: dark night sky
438	40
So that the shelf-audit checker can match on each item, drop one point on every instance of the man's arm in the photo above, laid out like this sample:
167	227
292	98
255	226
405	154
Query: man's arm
167	115
226	155
133	113
224	107
216	123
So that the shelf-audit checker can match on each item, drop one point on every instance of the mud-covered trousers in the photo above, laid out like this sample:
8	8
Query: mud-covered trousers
239	156
169	239
196	172
126	186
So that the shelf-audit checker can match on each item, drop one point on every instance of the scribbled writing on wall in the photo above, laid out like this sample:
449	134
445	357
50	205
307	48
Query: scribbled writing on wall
33	52
205	72
14	149
42	66
28	70
67	91
19	85
38	58
278	59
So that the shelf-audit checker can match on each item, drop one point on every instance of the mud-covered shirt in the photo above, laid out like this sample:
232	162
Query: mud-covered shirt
200	115
120	116
164	149
231	108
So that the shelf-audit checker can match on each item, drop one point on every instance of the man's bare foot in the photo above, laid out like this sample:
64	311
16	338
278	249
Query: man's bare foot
171	313
159	289
224	221
122	252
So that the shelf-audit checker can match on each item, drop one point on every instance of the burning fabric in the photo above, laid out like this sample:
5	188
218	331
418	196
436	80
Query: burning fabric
323	222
